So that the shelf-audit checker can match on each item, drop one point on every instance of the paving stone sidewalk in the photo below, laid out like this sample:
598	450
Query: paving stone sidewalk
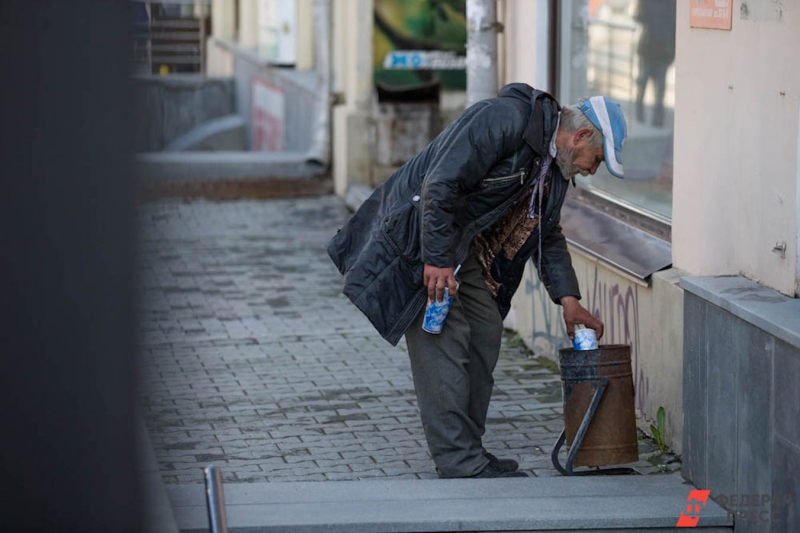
254	361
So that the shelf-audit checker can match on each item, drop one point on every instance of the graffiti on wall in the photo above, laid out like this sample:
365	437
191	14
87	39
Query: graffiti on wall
420	41
616	304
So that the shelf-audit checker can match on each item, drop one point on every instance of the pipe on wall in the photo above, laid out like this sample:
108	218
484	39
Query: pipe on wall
320	150
797	218
481	50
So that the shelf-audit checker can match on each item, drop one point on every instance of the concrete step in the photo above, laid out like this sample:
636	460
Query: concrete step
553	504
230	175
193	167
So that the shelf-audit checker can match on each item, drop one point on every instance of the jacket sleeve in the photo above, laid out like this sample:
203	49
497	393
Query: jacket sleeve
466	152
557	273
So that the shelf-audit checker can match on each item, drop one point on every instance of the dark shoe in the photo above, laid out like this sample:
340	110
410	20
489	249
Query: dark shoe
503	465
491	471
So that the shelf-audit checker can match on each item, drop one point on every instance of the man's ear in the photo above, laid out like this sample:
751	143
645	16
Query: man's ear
581	136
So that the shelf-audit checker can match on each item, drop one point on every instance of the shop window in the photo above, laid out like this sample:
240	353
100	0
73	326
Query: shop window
625	50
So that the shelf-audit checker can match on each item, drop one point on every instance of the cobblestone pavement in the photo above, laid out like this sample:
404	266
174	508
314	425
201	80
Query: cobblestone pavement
253	360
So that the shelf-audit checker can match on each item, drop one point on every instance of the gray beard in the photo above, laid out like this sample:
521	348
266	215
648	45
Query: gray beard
564	160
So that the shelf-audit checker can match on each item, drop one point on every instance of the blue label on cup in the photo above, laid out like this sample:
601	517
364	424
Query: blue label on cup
585	339
436	312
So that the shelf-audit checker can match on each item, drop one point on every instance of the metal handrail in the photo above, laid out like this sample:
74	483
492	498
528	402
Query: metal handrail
215	500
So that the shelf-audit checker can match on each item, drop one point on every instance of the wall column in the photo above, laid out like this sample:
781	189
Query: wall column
248	24
352	63
223	25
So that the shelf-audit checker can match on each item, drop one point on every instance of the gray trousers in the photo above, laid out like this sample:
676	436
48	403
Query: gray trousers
453	375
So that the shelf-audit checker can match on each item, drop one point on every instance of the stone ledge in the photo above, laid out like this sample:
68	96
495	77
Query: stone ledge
756	304
629	503
188	167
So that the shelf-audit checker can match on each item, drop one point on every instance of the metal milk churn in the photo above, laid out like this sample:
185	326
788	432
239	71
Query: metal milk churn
599	413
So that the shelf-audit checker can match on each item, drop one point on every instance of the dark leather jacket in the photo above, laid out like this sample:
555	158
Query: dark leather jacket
432	207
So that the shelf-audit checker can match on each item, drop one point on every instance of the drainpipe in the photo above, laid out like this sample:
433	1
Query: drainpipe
319	152
797	220
482	30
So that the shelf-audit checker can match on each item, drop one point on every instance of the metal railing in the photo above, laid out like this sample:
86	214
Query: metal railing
171	45
215	500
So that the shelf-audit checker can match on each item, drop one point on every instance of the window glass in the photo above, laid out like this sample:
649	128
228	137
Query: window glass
625	49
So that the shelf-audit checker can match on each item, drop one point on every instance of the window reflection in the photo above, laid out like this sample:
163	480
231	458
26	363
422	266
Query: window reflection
625	49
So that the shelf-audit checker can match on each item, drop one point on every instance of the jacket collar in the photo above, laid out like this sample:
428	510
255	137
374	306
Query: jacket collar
543	121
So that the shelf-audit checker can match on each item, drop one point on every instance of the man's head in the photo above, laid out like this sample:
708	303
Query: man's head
590	132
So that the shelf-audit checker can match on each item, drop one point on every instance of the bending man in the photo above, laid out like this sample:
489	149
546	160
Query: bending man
486	194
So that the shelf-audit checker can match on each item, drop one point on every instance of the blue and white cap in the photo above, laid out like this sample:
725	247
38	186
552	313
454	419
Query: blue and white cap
607	117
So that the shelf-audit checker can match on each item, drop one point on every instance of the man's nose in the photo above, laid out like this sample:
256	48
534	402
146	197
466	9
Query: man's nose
594	168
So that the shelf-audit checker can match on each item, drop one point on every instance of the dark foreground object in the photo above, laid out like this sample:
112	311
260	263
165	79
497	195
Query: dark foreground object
67	269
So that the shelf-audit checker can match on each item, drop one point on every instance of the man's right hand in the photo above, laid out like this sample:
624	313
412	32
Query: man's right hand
436	279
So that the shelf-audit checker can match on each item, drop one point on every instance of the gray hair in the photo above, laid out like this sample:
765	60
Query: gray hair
573	119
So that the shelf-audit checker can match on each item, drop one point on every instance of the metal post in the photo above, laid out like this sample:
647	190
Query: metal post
482	30
215	500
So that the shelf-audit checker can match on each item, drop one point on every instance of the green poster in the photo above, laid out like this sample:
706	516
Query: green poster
420	41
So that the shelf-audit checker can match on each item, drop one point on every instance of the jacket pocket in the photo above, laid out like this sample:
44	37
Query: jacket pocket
401	229
504	180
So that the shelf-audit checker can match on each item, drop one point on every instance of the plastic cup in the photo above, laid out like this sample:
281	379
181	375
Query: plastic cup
584	339
436	313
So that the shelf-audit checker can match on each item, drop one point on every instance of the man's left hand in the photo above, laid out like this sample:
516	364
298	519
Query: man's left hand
574	313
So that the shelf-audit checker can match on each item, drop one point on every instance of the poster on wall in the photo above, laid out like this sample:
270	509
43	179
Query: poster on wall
420	41
711	14
268	117
277	31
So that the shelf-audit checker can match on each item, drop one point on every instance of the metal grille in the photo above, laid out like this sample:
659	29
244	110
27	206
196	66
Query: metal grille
170	42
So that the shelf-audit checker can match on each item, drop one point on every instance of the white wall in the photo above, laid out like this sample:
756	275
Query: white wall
305	35
223	25
736	143
248	24
526	41
219	58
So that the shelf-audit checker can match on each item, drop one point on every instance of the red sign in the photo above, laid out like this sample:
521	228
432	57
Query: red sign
268	104
713	14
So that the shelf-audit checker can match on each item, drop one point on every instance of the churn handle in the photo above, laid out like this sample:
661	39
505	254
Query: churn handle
602	383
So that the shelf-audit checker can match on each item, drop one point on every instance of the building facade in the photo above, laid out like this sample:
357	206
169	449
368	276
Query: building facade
695	262
692	259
